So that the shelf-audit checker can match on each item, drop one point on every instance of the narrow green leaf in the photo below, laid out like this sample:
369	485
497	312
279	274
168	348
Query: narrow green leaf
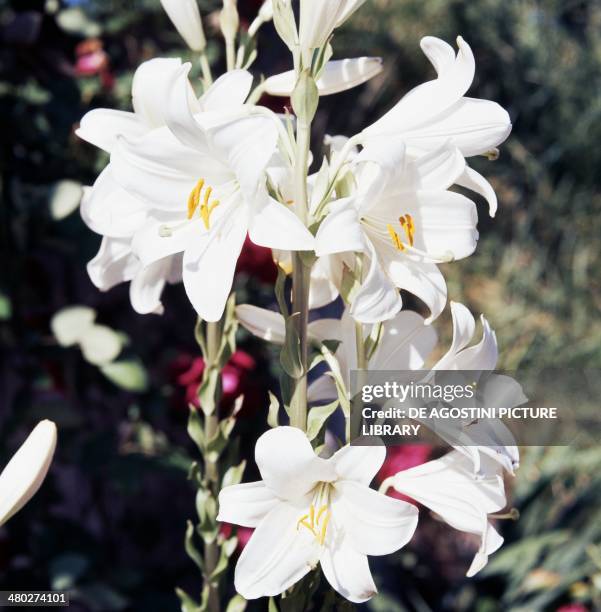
236	604
190	547
290	357
233	475
280	292
187	603
317	417
274	408
195	428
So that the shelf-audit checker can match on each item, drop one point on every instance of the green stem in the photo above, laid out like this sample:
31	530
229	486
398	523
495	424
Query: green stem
205	67
301	277
211	550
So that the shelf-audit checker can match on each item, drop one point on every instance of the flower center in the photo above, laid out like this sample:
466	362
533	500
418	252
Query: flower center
206	208
407	225
318	517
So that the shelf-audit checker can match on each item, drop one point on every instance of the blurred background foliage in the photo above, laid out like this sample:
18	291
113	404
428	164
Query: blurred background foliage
109	521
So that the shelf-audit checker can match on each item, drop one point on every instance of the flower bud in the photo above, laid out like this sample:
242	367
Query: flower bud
305	97
229	20
285	23
186	18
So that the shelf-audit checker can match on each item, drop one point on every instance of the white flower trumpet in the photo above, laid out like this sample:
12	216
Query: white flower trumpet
308	511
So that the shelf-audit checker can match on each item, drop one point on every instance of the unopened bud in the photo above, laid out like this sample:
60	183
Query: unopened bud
305	97
493	154
229	19
284	22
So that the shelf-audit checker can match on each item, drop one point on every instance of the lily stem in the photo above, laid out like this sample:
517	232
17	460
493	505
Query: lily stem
211	425
301	276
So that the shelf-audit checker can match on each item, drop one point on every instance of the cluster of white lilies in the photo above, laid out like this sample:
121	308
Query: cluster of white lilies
190	177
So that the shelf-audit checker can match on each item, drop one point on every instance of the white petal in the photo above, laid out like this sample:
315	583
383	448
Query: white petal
424	280
430	99
263	323
340	231
288	464
325	329
114	264
359	463
277	227
470	179
70	324
209	267
348	572
102	126
100	345
147	285
322	390
246	504
151	87
154	241
373	523
248	144
25	472
449	487
276	556
439	52
318	18
473	126
186	18
405	344
338	75
378	299
229	91
482	356
440	169
109	210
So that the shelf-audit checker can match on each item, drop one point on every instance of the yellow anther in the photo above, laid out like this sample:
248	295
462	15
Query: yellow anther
406	222
194	201
194	198
396	241
324	528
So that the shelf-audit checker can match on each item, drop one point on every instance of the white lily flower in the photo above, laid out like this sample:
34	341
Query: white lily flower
308	511
438	111
448	487
488	437
203	182
404	344
25	472
185	16
110	210
337	76
405	221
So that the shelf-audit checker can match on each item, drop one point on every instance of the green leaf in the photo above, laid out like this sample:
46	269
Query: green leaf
127	374
187	603
208	391
350	285
199	334
236	604
280	292
195	428
233	475
290	357
317	417
195	473
190	547
272	606
5	307
336	374
274	408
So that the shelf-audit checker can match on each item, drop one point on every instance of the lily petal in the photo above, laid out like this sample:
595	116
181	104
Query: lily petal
373	523
470	179
337	76
25	472
276	556
263	323
288	463
348	572
359	463
209	267
102	126
114	264
246	504
147	285
228	92
340	231
277	227
185	16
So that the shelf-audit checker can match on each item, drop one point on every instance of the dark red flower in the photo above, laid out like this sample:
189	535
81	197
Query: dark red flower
399	458
257	261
